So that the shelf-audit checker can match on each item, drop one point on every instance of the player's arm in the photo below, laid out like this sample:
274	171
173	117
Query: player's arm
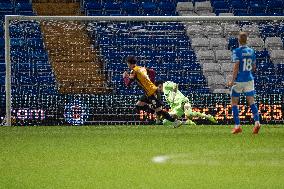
235	71
236	61
171	88
253	62
152	74
253	67
128	78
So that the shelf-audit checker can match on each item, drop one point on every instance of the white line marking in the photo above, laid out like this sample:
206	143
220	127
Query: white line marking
160	159
205	159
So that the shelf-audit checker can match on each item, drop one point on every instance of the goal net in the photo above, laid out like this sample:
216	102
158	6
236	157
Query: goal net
68	70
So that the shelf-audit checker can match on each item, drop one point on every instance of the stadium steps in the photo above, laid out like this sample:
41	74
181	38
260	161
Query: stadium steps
57	8
74	61
77	68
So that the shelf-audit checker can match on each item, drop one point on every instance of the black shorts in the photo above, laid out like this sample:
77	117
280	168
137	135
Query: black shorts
144	98
155	100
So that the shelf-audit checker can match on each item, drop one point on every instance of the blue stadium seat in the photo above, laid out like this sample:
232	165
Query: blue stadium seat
112	8
24	67
93	6
275	6
2	68
23	7
35	43
45	67
17	42
27	80
2	43
280	31
2	80
6	7
167	8
28	89
149	8
256	6
239	7
2	54
16	32
265	68
233	43
46	80
241	13
269	31
280	70
51	90
262	55
130	8
1	30
220	7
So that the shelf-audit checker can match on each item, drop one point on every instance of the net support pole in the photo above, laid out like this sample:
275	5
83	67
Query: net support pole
8	72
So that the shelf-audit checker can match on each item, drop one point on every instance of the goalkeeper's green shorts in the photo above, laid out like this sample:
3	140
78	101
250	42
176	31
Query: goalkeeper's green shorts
178	109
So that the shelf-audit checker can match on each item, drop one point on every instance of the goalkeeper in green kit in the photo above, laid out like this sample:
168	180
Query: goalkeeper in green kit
179	103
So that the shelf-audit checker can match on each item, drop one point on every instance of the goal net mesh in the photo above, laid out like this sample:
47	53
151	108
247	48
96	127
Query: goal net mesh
70	72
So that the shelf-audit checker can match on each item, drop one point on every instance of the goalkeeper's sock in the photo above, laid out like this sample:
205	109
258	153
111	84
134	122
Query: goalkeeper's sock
189	122
145	108
255	112
187	113
166	115
236	115
167	122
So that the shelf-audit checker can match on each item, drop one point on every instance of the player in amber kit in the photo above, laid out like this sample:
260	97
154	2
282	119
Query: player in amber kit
151	101
243	81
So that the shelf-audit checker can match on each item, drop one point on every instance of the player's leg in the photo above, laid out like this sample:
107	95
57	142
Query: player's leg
167	122
157	104
235	94
249	93
143	104
176	113
189	113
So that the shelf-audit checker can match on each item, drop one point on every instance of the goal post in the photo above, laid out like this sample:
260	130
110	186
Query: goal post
82	19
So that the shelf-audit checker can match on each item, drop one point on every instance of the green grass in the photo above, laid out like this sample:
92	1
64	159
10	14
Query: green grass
115	157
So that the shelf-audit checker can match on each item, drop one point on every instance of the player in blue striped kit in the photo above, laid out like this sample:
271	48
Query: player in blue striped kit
243	82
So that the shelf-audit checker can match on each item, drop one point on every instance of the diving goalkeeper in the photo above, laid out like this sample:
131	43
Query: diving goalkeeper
179	103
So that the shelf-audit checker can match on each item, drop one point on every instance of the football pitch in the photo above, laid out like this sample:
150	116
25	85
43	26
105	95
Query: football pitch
141	157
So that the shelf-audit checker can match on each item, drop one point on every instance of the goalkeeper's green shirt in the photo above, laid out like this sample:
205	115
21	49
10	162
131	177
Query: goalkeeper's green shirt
173	98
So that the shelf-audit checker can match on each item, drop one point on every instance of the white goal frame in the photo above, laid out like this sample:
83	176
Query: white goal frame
9	18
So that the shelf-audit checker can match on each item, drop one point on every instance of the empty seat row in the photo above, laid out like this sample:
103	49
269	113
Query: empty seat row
250	7
221	30
199	8
211	56
19	7
130	8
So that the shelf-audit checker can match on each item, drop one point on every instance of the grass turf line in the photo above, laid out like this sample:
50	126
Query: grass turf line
120	157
